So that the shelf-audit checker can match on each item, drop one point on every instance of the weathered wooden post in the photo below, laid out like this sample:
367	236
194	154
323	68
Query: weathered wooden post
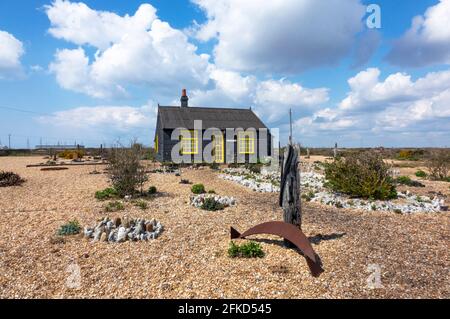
290	186
335	150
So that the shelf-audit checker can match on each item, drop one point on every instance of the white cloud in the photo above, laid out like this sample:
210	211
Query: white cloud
397	104
280	36
427	42
11	50
270	99
131	50
115	117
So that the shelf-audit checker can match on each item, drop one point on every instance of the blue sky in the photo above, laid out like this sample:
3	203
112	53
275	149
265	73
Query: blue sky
94	71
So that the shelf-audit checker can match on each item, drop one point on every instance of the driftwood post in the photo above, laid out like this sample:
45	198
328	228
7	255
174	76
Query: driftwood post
290	189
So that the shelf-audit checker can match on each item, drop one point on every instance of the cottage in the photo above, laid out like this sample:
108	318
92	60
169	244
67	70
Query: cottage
203	134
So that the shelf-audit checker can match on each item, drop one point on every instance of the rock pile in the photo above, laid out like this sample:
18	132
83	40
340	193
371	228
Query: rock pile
122	230
313	189
198	200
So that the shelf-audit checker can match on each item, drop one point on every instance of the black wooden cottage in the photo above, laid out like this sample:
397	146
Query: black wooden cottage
244	138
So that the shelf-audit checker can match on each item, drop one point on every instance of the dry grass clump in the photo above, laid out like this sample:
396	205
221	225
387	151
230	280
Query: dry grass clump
363	175
72	154
10	179
125	170
438	165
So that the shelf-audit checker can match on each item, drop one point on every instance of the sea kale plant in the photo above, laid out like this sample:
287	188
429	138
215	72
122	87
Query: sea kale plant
71	228
364	175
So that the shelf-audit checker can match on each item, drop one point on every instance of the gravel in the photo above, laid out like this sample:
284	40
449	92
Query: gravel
189	259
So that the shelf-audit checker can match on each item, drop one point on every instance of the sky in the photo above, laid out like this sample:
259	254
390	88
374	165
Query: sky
94	72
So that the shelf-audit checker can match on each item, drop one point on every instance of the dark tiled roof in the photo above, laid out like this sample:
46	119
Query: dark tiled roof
174	116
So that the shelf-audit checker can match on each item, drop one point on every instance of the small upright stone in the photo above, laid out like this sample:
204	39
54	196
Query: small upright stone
117	221
104	237
149	227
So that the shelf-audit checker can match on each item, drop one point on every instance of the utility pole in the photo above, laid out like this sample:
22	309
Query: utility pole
28	143
9	141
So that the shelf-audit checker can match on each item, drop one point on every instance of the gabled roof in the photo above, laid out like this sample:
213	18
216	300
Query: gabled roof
172	117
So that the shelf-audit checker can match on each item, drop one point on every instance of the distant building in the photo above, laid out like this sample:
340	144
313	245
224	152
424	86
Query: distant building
58	147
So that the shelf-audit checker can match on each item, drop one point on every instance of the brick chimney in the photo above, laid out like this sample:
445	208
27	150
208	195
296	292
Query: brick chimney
184	99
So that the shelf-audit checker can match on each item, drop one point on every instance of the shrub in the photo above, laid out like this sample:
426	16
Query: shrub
71	154
107	193
211	204
254	167
71	228
410	155
308	196
405	180
198	189
421	174
438	165
247	250
114	206
214	166
363	175
125	170
185	181
142	204
10	179
152	190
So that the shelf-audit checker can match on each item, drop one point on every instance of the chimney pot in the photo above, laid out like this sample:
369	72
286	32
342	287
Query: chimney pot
184	99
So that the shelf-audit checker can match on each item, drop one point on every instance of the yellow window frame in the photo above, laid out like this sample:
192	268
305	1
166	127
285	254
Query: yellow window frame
189	145
156	144
219	149
246	142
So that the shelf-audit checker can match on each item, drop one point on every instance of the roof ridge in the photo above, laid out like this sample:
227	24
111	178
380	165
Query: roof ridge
206	107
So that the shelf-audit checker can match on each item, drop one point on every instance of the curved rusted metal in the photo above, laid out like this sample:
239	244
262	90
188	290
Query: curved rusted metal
289	232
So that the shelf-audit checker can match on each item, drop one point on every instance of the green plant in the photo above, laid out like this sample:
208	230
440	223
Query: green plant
105	194
142	204
214	166
10	179
114	206
198	189
421	174
254	167
70	228
211	191
364	175
247	250
211	204
152	190
397	211
308	196
406	180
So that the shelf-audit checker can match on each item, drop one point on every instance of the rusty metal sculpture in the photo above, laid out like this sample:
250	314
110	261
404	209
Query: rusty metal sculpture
290	229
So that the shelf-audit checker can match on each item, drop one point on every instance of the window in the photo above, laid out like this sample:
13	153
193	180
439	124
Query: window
156	143
218	149
189	142
246	142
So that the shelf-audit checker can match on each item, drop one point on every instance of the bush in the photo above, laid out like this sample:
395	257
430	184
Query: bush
363	175
438	165
421	174
247	250
211	191
72	154
152	190
142	204
405	180
125	170
198	189
254	167
107	193
410	155
214	166
114	207
211	204
308	196
71	228
10	179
